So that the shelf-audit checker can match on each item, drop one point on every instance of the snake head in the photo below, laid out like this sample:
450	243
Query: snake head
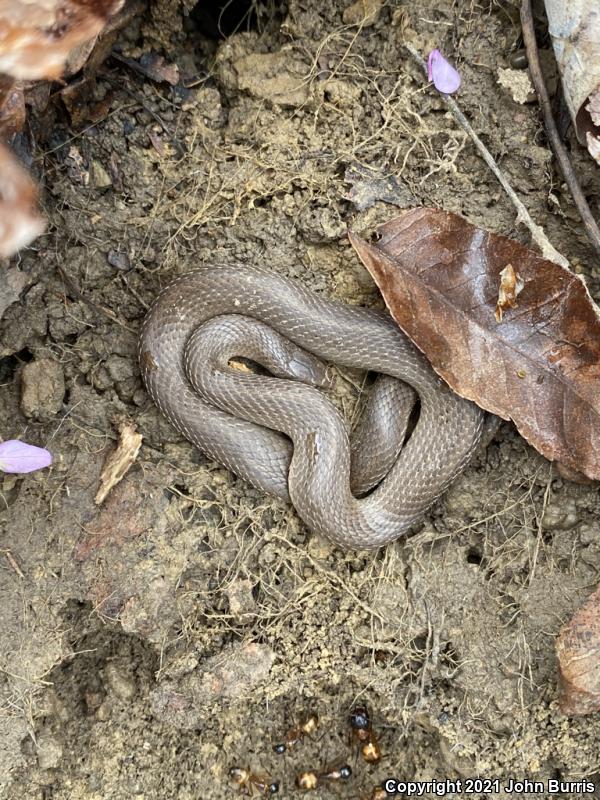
310	370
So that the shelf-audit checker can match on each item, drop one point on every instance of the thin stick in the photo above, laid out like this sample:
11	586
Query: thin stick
560	151
13	562
537	234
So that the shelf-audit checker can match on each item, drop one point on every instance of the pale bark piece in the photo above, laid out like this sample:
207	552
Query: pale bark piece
20	221
540	366
578	651
575	31
119	461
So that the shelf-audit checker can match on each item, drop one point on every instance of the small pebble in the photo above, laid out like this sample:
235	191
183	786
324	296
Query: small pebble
560	517
118	260
120	683
49	750
589	534
518	59
42	389
100	177
240	597
103	712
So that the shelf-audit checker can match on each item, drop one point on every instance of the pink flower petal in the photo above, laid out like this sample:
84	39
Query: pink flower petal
16	456
445	78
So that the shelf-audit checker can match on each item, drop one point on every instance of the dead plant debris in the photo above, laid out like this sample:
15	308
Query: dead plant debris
439	276
119	461
36	38
578	650
511	285
20	221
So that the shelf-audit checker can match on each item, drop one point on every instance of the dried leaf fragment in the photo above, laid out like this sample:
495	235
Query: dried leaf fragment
511	284
119	462
518	83
37	37
20	221
575	31
593	145
12	107
578	651
439	276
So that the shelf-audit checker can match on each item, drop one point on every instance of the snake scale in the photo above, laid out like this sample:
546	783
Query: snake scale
279	431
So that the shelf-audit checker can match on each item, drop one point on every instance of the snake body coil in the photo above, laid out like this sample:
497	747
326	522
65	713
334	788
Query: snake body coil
246	421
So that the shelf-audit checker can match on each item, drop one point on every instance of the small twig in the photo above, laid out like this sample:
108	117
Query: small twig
13	563
537	234
560	151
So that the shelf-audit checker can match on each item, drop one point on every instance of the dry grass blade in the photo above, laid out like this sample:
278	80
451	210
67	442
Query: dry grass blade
540	366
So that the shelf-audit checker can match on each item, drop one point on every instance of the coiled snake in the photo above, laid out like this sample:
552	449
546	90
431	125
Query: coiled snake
280	432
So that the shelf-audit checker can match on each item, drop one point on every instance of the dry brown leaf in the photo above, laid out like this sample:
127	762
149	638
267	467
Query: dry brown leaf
578	651
439	276
119	461
19	218
37	37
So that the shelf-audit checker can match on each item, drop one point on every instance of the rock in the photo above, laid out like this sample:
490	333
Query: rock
120	683
589	534
100	177
241	599
578	651
518	84
118	260
277	77
42	389
119	368
342	94
234	674
49	750
103	712
13	283
560	517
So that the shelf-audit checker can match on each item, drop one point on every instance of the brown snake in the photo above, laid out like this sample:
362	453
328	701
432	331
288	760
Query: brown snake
245	421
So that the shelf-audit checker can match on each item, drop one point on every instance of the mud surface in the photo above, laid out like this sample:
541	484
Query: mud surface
182	628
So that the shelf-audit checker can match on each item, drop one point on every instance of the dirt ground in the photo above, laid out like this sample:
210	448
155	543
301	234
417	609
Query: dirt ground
182	628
